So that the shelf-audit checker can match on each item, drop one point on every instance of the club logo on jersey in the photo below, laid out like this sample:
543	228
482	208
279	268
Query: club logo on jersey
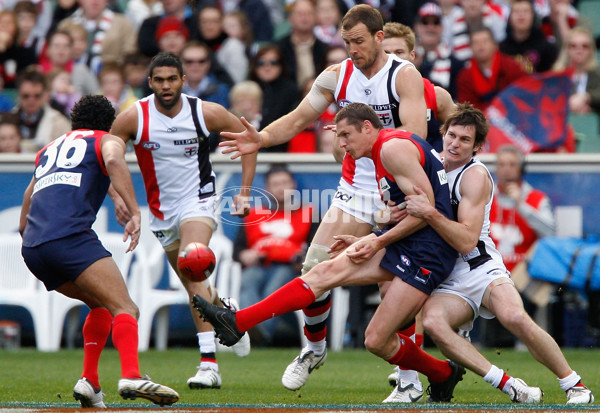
191	151
151	146
171	130
405	260
385	118
368	92
186	141
442	177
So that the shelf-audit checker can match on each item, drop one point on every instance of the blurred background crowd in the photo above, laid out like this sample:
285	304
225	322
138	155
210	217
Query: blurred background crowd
259	57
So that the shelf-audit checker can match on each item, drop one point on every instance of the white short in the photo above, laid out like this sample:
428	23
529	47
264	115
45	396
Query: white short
361	204
167	230
471	286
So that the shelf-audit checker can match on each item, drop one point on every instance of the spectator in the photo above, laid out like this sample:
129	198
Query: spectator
112	34
171	35
434	57
59	55
79	35
63	95
230	53
302	52
200	81
6	103
280	94
520	214
43	14
246	100
558	17
488	72
329	18
38	122
13	57
26	14
474	13
139	10
237	26
114	88
579	54
259	16
135	68
525	41
10	136
270	246
147	33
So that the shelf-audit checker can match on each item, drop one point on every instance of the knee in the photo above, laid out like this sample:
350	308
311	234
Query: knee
374	342
516	321
434	324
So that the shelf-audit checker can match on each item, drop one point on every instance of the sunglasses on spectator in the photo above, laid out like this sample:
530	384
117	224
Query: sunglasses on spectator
263	62
579	46
31	95
427	22
196	61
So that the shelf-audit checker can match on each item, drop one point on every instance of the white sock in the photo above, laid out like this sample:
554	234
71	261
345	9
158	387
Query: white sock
571	380
410	376
206	343
494	376
317	347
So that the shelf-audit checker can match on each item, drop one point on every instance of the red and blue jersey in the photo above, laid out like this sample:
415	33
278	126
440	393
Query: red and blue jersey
71	183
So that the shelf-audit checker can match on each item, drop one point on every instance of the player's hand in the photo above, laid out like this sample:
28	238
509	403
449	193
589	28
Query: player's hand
418	205
340	244
132	229
392	214
121	211
363	250
242	206
241	143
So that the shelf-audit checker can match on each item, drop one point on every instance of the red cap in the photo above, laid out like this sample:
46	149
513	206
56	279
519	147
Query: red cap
430	9
170	24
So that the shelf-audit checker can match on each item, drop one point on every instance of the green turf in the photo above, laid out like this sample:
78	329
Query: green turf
351	377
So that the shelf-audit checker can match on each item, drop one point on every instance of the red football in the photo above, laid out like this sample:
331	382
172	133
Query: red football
196	261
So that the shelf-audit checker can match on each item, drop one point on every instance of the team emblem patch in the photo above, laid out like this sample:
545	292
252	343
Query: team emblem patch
151	146
405	260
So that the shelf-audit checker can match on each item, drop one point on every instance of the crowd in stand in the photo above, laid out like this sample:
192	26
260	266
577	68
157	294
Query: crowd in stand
262	55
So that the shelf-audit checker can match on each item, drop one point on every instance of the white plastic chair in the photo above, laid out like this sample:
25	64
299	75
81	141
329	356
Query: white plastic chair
20	288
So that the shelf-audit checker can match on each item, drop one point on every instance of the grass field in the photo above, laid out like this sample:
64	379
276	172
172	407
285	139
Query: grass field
349	378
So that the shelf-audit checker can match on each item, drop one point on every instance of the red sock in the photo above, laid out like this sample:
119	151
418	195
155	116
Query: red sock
411	357
95	333
503	381
315	319
407	332
125	339
419	340
294	295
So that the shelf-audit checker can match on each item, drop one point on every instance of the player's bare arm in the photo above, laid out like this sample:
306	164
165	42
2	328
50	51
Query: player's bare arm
445	104
113	154
285	128
412	109
219	119
463	235
402	159
25	206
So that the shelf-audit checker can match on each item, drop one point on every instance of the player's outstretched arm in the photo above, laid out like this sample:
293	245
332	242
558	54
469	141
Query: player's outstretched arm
445	104
219	119
113	154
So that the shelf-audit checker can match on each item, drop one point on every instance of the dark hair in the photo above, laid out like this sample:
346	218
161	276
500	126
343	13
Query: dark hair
276	168
363	13
465	114
264	49
165	59
481	28
93	112
25	6
32	75
357	113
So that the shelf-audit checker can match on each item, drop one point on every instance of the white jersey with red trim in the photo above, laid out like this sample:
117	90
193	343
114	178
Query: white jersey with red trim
379	92
173	155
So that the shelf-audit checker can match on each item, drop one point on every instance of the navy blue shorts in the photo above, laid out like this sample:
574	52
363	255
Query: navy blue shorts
422	266
58	261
